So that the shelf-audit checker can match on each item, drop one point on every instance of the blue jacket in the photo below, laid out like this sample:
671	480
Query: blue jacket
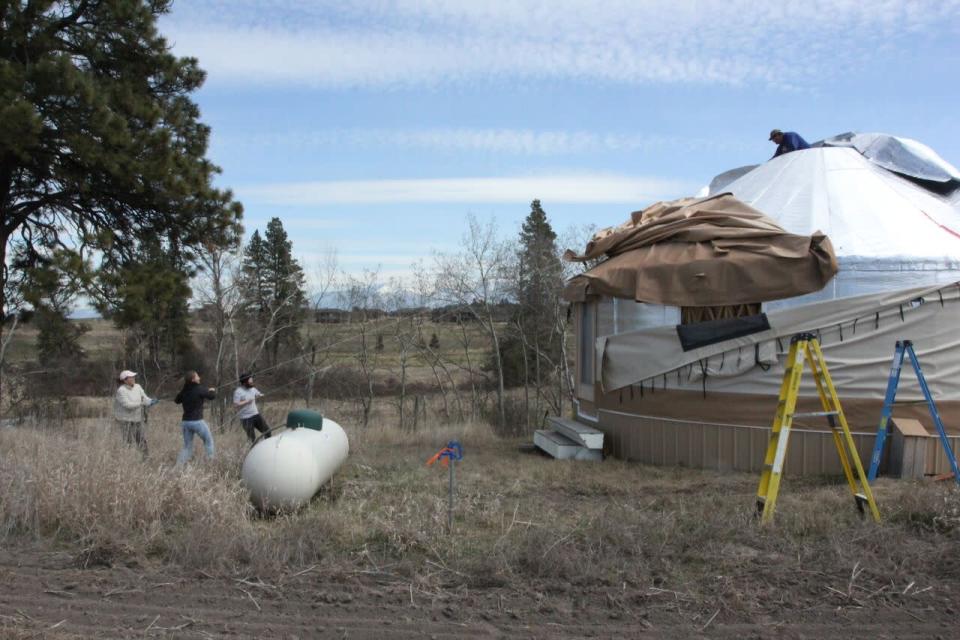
791	142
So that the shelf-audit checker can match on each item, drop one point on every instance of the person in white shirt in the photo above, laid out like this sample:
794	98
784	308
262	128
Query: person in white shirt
129	403
245	400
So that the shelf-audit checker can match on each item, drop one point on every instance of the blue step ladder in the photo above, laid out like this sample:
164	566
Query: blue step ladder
906	347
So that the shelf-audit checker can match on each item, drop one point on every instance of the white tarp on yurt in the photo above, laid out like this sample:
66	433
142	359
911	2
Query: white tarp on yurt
890	210
888	232
698	384
901	155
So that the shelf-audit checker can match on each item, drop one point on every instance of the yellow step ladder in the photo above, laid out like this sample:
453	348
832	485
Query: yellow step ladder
805	347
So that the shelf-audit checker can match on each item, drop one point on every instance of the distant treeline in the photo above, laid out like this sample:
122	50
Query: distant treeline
502	312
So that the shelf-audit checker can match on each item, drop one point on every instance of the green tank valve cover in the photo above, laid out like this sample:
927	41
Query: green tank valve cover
304	418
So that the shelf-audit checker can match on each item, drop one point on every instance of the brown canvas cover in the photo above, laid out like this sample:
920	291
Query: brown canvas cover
700	252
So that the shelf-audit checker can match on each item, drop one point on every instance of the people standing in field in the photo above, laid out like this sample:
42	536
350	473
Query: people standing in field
245	400
129	403
192	397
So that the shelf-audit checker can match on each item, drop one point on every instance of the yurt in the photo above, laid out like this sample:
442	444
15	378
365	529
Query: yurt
680	361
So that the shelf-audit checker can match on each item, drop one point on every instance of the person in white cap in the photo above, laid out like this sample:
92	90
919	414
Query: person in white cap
128	405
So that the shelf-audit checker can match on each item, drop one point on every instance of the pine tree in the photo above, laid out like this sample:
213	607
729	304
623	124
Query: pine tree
529	352
540	270
254	269
101	148
47	289
274	287
58	338
150	298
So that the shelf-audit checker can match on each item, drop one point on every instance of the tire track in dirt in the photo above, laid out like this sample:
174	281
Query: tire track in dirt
122	603
45	595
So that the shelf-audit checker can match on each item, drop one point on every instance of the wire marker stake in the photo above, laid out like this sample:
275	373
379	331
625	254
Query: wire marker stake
448	457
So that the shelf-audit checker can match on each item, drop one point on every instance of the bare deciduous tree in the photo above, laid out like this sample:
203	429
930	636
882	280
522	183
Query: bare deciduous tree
575	236
474	279
217	291
325	277
431	356
361	295
405	339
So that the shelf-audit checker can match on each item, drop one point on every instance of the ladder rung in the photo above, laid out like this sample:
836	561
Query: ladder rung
816	414
909	402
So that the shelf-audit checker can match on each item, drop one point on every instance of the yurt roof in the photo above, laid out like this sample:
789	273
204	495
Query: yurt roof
867	210
901	155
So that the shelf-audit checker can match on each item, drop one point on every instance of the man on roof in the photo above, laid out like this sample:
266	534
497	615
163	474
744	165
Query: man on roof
787	142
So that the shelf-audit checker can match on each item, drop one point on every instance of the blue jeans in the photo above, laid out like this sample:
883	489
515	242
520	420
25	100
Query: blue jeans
195	428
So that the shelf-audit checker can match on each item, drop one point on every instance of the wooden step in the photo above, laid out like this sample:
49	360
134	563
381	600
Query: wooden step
561	447
587	436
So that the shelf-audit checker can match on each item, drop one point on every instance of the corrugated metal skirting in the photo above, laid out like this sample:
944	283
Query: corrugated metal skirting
703	445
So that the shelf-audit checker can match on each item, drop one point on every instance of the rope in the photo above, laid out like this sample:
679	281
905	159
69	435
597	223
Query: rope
304	354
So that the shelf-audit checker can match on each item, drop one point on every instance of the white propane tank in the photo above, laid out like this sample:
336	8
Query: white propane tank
285	470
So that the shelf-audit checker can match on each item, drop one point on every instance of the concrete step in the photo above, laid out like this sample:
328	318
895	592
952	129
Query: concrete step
587	436
561	447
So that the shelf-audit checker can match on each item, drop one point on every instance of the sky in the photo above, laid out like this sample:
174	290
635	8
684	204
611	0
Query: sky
374	127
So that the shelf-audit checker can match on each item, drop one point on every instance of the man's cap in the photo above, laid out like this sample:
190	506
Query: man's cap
245	376
126	373
775	132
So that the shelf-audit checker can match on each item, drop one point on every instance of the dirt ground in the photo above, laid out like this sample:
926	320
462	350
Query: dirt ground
97	543
46	594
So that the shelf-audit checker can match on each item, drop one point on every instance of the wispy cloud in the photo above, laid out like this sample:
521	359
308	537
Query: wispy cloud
558	189
316	223
404	260
501	140
359	43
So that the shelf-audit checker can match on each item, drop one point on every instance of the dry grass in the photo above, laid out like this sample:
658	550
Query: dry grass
338	341
522	521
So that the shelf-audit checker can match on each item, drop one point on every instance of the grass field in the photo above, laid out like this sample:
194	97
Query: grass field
627	538
339	340
611	549
336	344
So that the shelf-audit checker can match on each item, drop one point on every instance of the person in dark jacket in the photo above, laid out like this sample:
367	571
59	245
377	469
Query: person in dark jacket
787	142
192	397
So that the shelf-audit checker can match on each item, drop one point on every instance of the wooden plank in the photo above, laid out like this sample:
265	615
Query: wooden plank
563	448
578	432
908	448
909	426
